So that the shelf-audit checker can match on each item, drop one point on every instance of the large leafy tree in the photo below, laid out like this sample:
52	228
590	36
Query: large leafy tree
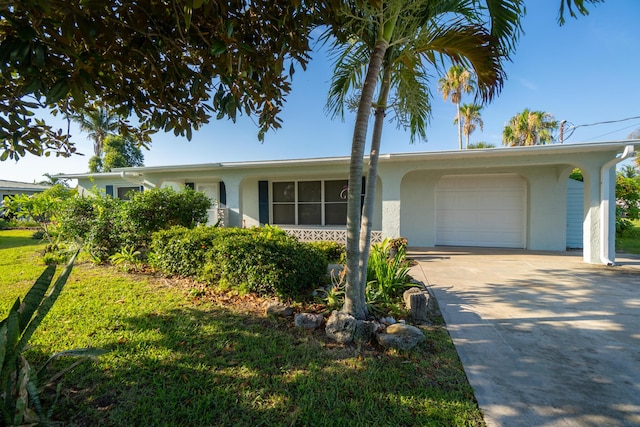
171	63
470	118
120	152
389	46
529	128
454	84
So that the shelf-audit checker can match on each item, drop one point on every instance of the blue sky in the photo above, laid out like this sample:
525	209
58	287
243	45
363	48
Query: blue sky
584	72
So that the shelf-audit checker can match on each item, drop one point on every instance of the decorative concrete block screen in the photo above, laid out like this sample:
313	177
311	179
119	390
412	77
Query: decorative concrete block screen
320	234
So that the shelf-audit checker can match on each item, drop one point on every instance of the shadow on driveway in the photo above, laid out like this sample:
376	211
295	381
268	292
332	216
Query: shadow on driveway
545	339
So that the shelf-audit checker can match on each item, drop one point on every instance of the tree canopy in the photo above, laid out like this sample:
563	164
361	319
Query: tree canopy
529	128
173	64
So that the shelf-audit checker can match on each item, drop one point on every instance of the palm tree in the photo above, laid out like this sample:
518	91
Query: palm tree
400	38
457	81
99	123
469	114
529	128
480	145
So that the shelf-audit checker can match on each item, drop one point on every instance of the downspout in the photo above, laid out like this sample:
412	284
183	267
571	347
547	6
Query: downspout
605	186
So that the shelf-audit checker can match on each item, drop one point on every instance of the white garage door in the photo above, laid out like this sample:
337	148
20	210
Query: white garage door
481	210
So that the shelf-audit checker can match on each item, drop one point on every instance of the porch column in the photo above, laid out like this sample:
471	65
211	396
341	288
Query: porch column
233	188
391	203
591	225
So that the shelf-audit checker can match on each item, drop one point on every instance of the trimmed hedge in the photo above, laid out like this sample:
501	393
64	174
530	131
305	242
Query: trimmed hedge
261	260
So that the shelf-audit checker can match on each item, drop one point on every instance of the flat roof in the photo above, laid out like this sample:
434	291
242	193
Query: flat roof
392	157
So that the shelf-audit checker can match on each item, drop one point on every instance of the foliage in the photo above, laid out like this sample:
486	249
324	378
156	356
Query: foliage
19	382
470	117
333	251
390	45
98	222
259	260
191	59
99	123
627	203
529	128
44	208
4	224
576	174
480	145
579	7
387	274
121	152
108	225
161	208
128	259
333	295
95	164
214	360
453	85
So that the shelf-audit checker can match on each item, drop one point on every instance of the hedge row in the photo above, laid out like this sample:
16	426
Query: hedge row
261	260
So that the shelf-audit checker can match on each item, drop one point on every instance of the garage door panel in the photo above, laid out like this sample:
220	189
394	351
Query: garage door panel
481	210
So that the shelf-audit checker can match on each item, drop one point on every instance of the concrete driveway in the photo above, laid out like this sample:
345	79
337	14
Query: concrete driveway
545	339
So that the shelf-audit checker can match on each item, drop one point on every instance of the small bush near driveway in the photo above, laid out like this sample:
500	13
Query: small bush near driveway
261	260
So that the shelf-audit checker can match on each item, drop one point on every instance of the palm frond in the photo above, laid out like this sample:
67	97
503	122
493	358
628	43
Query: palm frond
348	76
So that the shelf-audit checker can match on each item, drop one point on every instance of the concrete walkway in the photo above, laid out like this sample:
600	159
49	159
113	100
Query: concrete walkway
545	339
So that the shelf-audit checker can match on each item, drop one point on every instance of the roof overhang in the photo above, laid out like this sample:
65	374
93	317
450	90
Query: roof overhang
525	155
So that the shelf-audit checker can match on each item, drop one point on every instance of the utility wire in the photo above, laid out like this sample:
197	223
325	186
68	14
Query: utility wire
570	127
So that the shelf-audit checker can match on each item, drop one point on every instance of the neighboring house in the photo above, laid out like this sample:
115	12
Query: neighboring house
11	188
512	197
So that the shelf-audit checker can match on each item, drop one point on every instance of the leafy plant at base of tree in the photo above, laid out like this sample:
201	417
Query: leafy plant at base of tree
387	275
19	382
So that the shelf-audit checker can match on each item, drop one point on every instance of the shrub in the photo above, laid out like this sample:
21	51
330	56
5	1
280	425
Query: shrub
159	209
261	260
333	251
4	224
98	222
108	225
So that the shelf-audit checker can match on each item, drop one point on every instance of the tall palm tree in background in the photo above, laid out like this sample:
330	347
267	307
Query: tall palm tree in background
454	84
469	115
99	123
529	128
388	45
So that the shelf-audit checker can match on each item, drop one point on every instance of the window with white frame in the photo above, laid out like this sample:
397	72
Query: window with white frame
318	202
122	192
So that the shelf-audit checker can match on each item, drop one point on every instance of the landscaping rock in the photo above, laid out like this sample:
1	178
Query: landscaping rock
401	337
278	309
364	331
341	327
416	301
308	320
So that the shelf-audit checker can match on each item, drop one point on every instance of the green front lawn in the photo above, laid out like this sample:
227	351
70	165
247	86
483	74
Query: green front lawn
180	358
630	242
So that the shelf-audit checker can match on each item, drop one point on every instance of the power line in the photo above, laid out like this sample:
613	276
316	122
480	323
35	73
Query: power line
570	128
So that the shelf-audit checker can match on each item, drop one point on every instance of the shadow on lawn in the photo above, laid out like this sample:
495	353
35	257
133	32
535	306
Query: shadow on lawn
219	367
8	241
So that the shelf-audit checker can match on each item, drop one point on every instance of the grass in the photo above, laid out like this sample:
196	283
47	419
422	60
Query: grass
630	242
184	358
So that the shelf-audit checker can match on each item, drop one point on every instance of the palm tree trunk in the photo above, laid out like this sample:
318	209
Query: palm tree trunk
459	126
372	177
354	301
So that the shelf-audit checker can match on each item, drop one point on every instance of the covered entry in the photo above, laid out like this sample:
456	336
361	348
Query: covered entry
481	210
